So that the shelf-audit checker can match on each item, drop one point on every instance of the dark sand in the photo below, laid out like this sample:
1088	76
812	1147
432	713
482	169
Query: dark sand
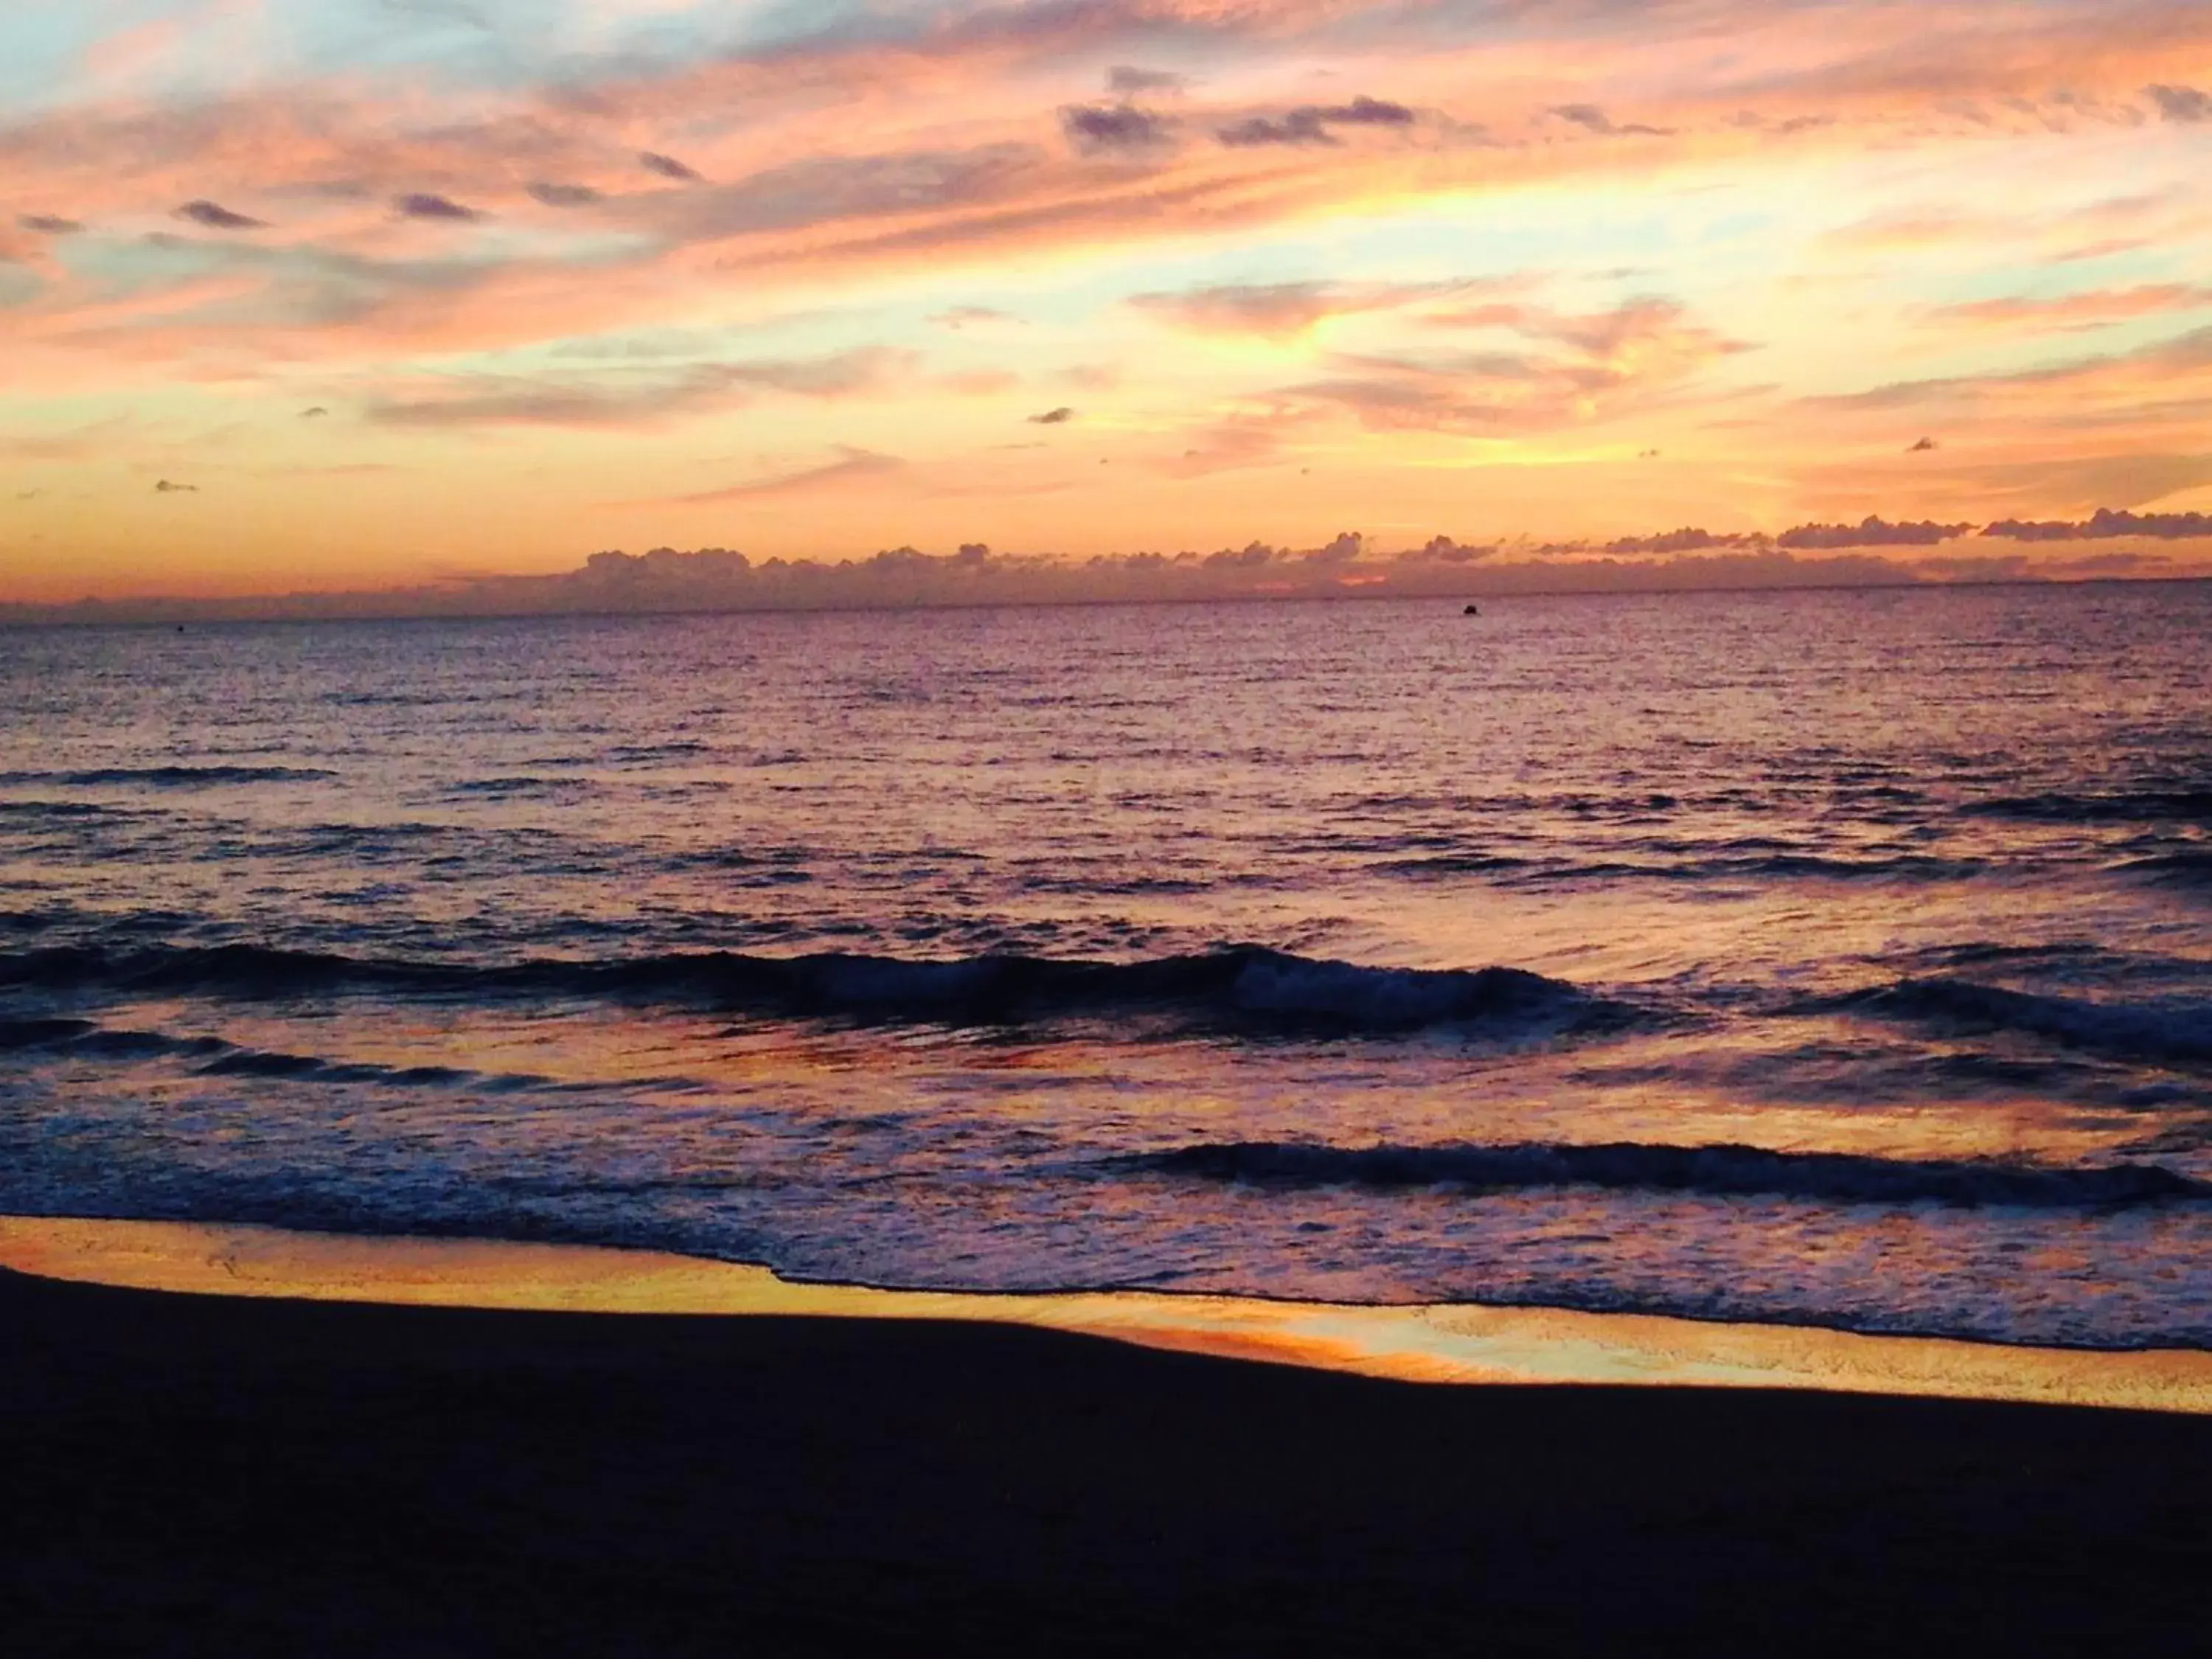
199	1475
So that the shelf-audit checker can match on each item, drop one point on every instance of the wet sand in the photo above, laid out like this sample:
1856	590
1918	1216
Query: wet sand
1445	1343
235	1475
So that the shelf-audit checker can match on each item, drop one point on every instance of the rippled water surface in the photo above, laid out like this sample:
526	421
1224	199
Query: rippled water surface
1830	957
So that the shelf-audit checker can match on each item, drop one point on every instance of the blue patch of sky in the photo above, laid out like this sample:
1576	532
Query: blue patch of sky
117	267
18	286
41	48
496	44
757	25
492	44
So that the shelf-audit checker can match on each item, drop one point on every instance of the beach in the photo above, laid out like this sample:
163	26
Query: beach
198	1473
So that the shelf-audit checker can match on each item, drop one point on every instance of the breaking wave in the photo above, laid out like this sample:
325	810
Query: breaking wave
2185	805
2190	866
1241	985
1704	1171
2164	1032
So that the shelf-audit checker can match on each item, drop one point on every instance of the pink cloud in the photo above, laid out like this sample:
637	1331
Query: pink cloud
1284	310
2089	309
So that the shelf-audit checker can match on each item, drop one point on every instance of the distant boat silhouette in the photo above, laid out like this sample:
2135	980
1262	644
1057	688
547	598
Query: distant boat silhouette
1472	610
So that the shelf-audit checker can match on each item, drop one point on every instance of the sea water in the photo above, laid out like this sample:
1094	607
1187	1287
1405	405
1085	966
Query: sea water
1840	958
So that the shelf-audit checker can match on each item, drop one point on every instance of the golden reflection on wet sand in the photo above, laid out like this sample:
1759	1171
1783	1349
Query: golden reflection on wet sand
1436	1344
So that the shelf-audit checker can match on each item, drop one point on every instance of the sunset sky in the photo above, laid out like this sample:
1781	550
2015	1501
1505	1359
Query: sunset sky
352	293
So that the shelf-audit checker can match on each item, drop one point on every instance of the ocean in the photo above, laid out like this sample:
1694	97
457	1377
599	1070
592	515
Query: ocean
1840	958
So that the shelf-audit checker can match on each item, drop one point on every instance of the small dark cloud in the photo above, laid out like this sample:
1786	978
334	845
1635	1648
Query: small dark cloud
215	217
564	195
1310	124
1298	127
1115	128
667	166
1060	417
165	487
1368	112
315	414
1591	118
49	224
1922	446
1583	115
1126	80
420	204
2184	103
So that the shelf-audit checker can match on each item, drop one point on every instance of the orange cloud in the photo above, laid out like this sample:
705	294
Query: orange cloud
1585	368
2093	308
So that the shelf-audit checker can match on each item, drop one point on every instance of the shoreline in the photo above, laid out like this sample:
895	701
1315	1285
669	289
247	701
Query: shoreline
1450	1343
241	1476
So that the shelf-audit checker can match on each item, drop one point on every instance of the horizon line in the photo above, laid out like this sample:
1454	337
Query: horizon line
1364	594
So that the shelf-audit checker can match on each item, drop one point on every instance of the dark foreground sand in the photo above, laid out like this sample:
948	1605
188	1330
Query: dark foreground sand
200	1475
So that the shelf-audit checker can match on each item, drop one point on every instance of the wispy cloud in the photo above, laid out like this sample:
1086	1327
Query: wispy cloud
1279	310
1567	369
852	466
2086	309
563	195
636	399
1131	81
1591	118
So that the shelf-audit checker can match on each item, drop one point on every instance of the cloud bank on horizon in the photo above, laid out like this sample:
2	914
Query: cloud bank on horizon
1083	276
